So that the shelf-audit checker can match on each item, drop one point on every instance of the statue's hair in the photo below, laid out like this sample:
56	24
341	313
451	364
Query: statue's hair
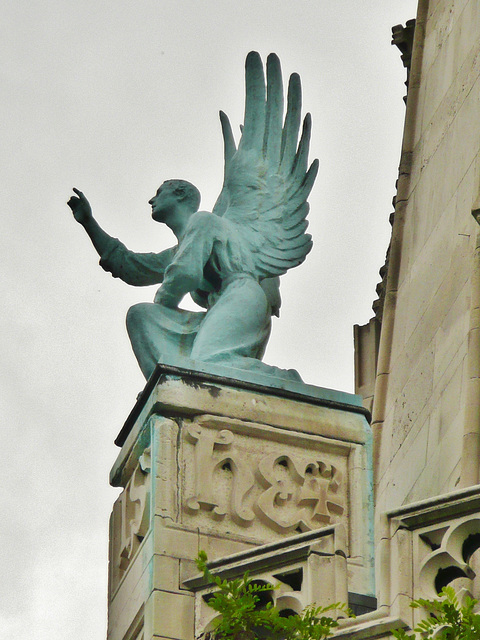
188	190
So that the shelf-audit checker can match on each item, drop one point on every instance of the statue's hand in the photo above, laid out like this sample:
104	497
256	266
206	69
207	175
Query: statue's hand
81	209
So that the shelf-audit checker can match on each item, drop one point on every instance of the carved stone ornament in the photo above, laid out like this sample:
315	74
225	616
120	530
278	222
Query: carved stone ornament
305	568
288	489
452	549
131	517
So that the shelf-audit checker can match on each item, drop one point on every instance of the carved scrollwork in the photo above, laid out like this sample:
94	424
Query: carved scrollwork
206	468
304	486
134	503
286	492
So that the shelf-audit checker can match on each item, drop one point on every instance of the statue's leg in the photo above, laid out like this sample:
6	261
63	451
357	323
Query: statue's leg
157	332
236	329
236	326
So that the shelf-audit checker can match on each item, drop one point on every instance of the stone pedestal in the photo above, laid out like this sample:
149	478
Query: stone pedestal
222	465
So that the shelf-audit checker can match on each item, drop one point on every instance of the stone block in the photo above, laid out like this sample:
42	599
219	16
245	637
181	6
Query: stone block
128	599
406	467
333	585
216	546
188	569
441	463
174	542
452	399
452	479
366	341
411	402
468	28
201	476
408	233
465	136
443	33
164	452
422	367
169	615
313	410
401	579
467	199
165	574
427	271
130	523
450	343
252	481
305	568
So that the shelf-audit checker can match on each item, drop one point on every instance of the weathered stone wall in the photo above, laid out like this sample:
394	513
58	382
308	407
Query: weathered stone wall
213	464
424	353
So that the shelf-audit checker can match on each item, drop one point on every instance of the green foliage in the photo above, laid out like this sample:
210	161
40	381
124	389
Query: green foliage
312	624
448	620
241	618
235	600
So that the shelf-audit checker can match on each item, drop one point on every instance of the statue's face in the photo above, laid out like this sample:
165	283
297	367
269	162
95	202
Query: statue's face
164	202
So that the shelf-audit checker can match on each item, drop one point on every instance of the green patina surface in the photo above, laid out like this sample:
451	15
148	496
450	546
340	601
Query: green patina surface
229	259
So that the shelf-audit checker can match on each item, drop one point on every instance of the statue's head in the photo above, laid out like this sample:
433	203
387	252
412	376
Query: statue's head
173	195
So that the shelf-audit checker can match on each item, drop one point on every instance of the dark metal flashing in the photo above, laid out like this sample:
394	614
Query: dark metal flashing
361	604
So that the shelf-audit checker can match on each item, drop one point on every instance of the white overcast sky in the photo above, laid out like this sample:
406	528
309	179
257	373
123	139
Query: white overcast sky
114	98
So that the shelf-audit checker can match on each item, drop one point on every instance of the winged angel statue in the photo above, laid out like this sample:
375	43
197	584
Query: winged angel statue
229	260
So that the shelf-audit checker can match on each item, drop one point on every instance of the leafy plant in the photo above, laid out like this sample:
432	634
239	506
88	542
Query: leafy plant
242	617
448	620
312	624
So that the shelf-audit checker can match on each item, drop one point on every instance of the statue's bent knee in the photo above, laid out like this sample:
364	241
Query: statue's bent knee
136	316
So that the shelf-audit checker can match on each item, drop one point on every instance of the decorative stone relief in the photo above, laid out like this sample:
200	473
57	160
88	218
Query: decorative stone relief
304	568
451	550
207	466
286	599
232	469
230	477
421	548
130	518
307	486
402	37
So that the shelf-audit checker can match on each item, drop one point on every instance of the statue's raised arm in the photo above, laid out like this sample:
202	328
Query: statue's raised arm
229	259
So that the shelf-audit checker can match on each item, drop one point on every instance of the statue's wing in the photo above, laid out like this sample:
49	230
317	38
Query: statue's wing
267	179
229	150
